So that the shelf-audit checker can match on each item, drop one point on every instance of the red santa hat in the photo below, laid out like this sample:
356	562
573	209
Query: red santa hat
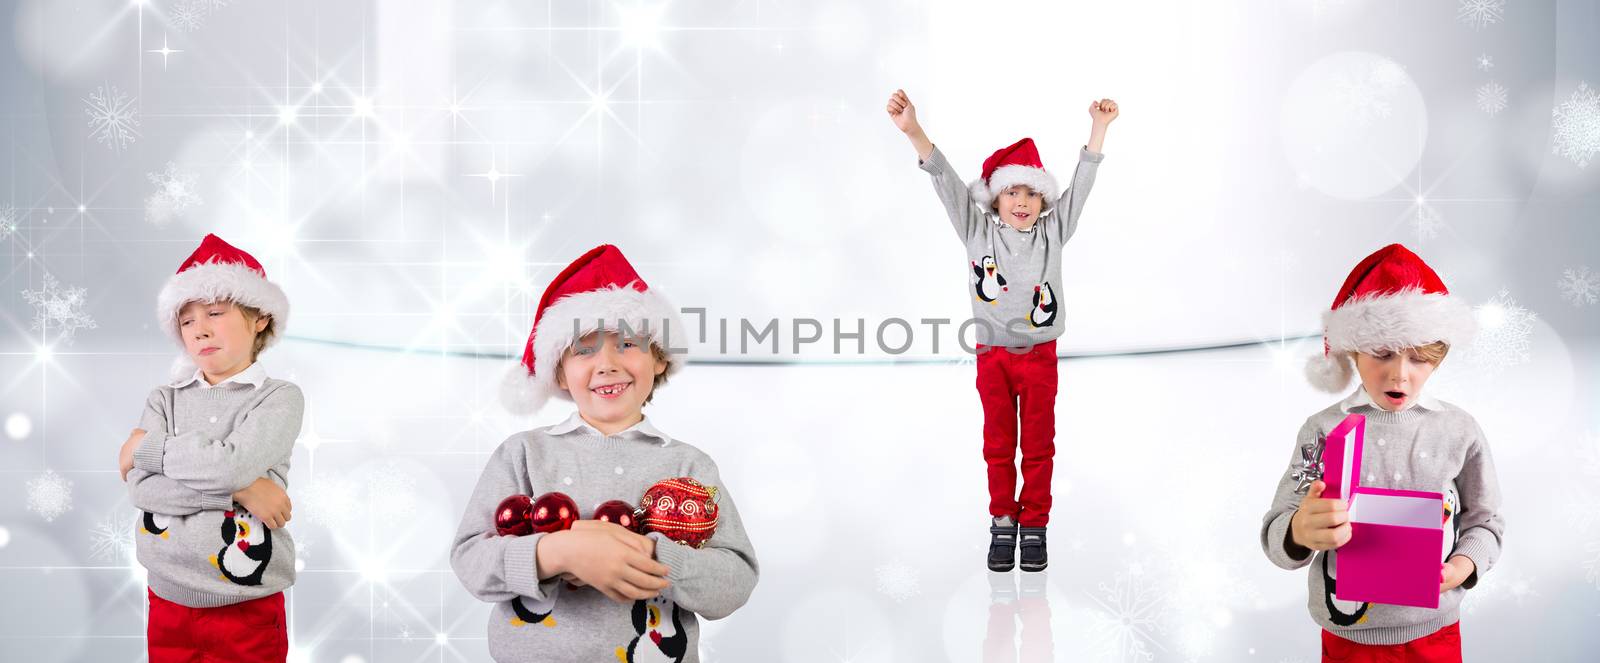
1009	166
1391	300
599	291
214	272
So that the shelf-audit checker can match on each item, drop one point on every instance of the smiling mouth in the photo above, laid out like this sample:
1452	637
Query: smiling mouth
611	390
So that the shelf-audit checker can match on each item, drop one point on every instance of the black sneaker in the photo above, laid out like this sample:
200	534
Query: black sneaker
1002	544
1034	557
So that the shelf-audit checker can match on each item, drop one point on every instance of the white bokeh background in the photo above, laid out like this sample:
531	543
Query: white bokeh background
413	173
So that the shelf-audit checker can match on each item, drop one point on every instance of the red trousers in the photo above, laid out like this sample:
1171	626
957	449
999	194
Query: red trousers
1018	390
255	630
1441	646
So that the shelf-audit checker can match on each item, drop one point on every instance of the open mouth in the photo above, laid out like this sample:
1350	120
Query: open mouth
611	390
1395	397
1020	216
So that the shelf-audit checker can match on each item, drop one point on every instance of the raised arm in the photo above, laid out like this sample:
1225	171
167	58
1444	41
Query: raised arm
1070	206
904	116
965	217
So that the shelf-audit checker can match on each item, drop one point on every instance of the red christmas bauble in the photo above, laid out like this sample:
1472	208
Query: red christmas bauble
619	512
553	512
511	517
682	509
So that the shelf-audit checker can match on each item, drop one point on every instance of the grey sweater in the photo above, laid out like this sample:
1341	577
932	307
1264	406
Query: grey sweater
547	621
1016	305
201	445
1437	448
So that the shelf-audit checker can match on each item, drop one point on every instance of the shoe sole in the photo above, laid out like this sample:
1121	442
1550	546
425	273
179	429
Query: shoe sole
1001	569
1034	567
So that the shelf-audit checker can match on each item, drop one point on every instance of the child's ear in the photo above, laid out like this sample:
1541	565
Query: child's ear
262	322
662	366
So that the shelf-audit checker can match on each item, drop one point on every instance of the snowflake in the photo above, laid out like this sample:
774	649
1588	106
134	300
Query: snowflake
898	581
1427	222
190	15
49	495
8	222
175	194
1132	609
1481	13
1366	95
1579	286
1509	587
1576	126
1504	333
111	539
113	118
1491	98
1485	62
62	309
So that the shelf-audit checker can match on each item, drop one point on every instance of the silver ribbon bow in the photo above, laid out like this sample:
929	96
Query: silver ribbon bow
1309	467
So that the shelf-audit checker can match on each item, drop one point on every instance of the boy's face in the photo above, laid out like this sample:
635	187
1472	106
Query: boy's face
1393	379
1019	206
609	376
218	336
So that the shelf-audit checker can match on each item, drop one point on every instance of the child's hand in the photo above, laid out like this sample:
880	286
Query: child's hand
1455	572
1103	111
605	556
265	500
1320	524
125	455
902	112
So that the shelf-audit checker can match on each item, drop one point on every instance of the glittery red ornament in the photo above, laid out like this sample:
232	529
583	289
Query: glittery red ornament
682	509
553	512
619	512
511	517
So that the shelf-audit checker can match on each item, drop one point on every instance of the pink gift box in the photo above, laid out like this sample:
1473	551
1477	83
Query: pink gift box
1395	535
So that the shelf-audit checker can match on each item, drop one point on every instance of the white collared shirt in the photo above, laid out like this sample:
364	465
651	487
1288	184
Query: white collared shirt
1361	397
642	429
253	376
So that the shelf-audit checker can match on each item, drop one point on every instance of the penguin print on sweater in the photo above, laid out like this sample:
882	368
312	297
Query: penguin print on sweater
1340	612
246	548
155	524
989	283
539	614
660	637
1044	306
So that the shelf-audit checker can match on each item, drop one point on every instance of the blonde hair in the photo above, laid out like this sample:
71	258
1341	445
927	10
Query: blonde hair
1433	353
661	356
264	336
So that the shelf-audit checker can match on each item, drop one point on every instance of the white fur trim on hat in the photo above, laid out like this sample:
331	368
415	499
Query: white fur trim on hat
1406	319
645	313
218	281
1391	321
1006	177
